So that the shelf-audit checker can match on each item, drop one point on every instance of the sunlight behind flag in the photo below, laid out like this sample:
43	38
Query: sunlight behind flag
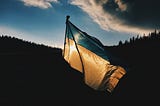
86	54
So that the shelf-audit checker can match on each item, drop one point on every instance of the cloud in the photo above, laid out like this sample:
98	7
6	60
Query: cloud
138	16
31	37
9	31
43	4
121	6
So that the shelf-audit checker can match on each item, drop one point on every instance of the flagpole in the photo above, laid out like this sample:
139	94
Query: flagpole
67	20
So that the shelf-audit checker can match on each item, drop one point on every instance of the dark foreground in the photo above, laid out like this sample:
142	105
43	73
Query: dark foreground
32	75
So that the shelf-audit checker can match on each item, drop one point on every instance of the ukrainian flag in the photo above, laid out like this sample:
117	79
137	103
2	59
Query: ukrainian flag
87	55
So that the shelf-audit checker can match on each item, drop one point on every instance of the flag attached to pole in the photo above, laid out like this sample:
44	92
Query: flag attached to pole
87	55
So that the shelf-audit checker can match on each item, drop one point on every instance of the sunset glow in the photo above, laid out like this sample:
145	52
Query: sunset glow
43	21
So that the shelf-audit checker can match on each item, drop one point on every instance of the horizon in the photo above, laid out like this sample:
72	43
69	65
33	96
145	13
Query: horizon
110	21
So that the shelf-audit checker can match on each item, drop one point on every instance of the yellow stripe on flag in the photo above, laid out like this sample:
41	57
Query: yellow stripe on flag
98	72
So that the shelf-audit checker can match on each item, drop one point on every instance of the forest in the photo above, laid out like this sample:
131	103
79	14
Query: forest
37	75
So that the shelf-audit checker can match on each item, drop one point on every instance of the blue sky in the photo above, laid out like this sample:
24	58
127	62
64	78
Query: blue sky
43	21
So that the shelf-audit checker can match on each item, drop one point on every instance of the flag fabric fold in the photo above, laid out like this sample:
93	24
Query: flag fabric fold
86	54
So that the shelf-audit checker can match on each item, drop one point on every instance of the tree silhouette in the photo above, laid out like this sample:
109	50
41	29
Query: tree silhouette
37	75
120	43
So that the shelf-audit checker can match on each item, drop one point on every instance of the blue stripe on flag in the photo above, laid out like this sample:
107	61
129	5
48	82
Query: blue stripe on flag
89	42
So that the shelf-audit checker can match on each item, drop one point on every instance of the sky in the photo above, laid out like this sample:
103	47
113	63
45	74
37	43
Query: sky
43	21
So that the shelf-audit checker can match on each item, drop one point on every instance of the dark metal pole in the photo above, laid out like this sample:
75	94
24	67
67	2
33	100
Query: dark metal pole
67	19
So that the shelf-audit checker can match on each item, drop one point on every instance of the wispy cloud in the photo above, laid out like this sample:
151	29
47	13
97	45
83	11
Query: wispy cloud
121	6
43	4
22	34
8	31
105	19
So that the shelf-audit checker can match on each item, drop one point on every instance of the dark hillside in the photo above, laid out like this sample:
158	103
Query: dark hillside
37	75
142	55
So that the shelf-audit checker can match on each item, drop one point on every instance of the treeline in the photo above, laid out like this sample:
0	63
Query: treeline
139	56
151	38
138	49
37	75
13	44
